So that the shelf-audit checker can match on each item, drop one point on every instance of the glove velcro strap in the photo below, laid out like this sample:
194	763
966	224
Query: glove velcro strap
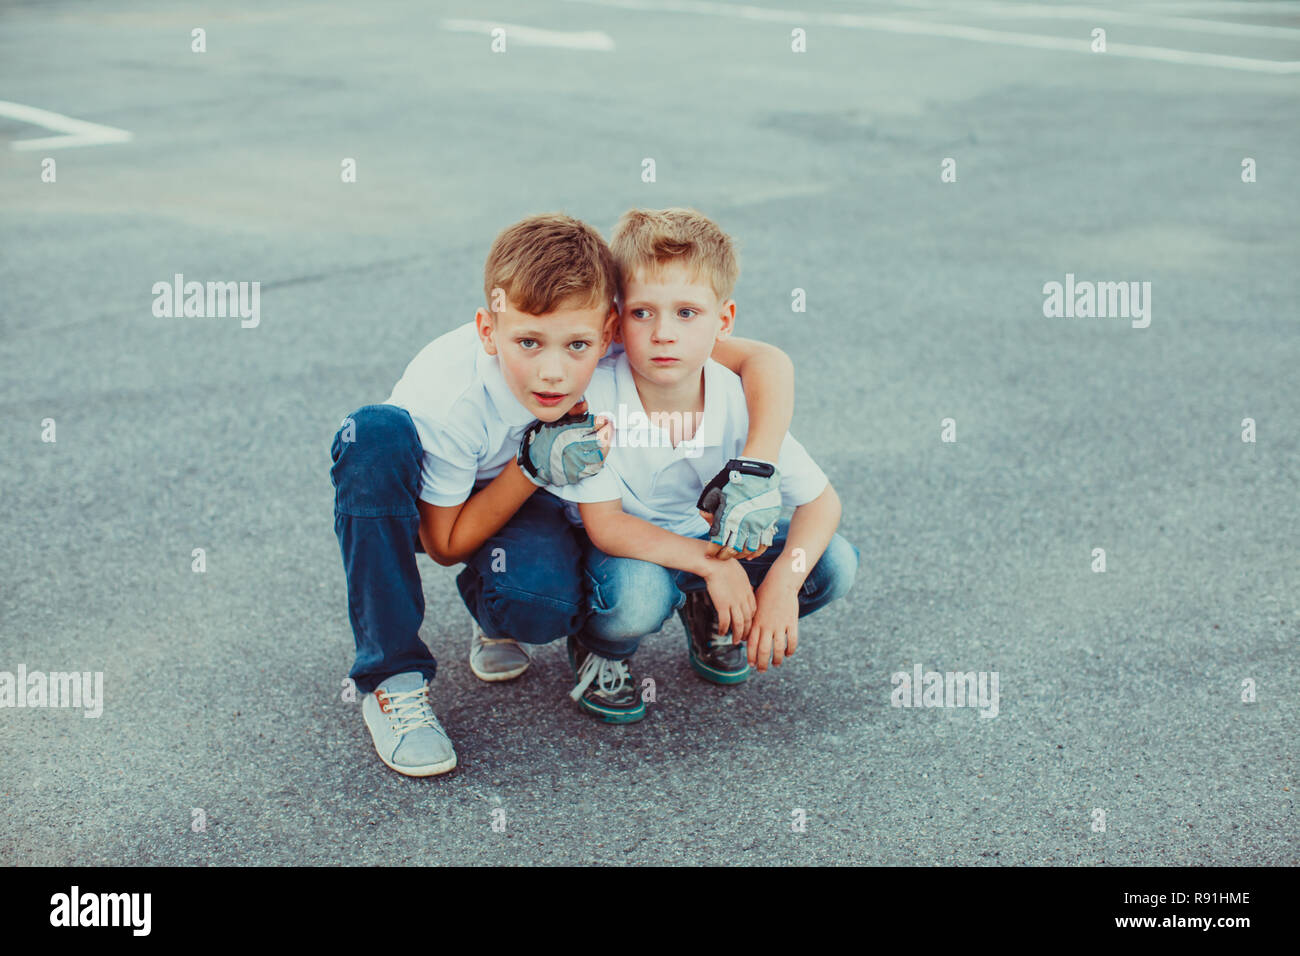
746	466
524	458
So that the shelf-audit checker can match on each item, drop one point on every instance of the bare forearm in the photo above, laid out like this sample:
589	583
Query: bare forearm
626	536
811	529
768	378
483	515
767	375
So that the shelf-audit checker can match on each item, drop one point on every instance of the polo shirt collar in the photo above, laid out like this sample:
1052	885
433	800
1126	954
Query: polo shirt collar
709	434
625	385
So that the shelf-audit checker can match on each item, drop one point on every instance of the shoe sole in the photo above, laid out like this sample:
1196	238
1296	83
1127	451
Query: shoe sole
715	676
431	770
612	716
427	770
500	676
608	716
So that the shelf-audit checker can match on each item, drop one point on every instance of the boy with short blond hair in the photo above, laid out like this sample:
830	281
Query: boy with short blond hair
452	464
647	550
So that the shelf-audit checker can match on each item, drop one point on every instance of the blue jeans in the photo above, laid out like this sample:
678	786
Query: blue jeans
632	598
525	581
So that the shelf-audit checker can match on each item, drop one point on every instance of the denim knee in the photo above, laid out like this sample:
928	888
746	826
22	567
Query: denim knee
527	617
833	576
629	598
376	468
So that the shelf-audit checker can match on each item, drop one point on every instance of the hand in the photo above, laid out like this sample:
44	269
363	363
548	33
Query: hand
775	631
742	506
565	451
732	596
718	551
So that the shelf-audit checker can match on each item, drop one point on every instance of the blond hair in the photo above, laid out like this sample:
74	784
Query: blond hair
649	238
544	261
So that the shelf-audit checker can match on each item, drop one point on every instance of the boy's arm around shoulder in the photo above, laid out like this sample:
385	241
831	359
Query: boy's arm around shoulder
767	375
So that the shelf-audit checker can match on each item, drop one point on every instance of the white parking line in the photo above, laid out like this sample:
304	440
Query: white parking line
76	132
955	32
1100	16
1238	7
533	36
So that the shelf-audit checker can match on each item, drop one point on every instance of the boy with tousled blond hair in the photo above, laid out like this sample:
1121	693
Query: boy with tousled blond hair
453	463
648	515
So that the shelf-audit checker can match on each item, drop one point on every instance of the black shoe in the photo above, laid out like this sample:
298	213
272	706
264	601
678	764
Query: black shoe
713	656
606	688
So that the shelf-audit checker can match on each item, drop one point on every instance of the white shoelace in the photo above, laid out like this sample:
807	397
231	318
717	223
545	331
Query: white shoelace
410	709
610	676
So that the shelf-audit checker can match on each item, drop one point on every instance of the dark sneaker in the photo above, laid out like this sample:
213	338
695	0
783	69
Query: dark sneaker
713	656
606	688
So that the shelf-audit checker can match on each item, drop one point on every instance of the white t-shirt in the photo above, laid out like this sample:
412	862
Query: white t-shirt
660	483
468	421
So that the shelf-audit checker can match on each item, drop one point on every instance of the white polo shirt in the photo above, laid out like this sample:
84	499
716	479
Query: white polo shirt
468	421
660	483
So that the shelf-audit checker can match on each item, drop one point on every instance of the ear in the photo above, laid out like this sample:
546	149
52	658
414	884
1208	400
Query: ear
613	330
485	323
728	319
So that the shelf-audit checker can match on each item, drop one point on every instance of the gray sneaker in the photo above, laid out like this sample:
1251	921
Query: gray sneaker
494	659
408	738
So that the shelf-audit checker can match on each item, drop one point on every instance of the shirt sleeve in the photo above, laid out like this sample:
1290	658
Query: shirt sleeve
448	467
602	486
801	479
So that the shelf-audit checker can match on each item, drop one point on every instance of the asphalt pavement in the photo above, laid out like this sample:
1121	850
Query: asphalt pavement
225	738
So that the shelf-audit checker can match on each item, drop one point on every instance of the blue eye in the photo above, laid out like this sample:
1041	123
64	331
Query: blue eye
636	313
585	345
523	343
691	316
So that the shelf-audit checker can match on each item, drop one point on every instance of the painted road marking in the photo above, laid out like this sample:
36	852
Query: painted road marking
954	32
532	36
1099	16
76	132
